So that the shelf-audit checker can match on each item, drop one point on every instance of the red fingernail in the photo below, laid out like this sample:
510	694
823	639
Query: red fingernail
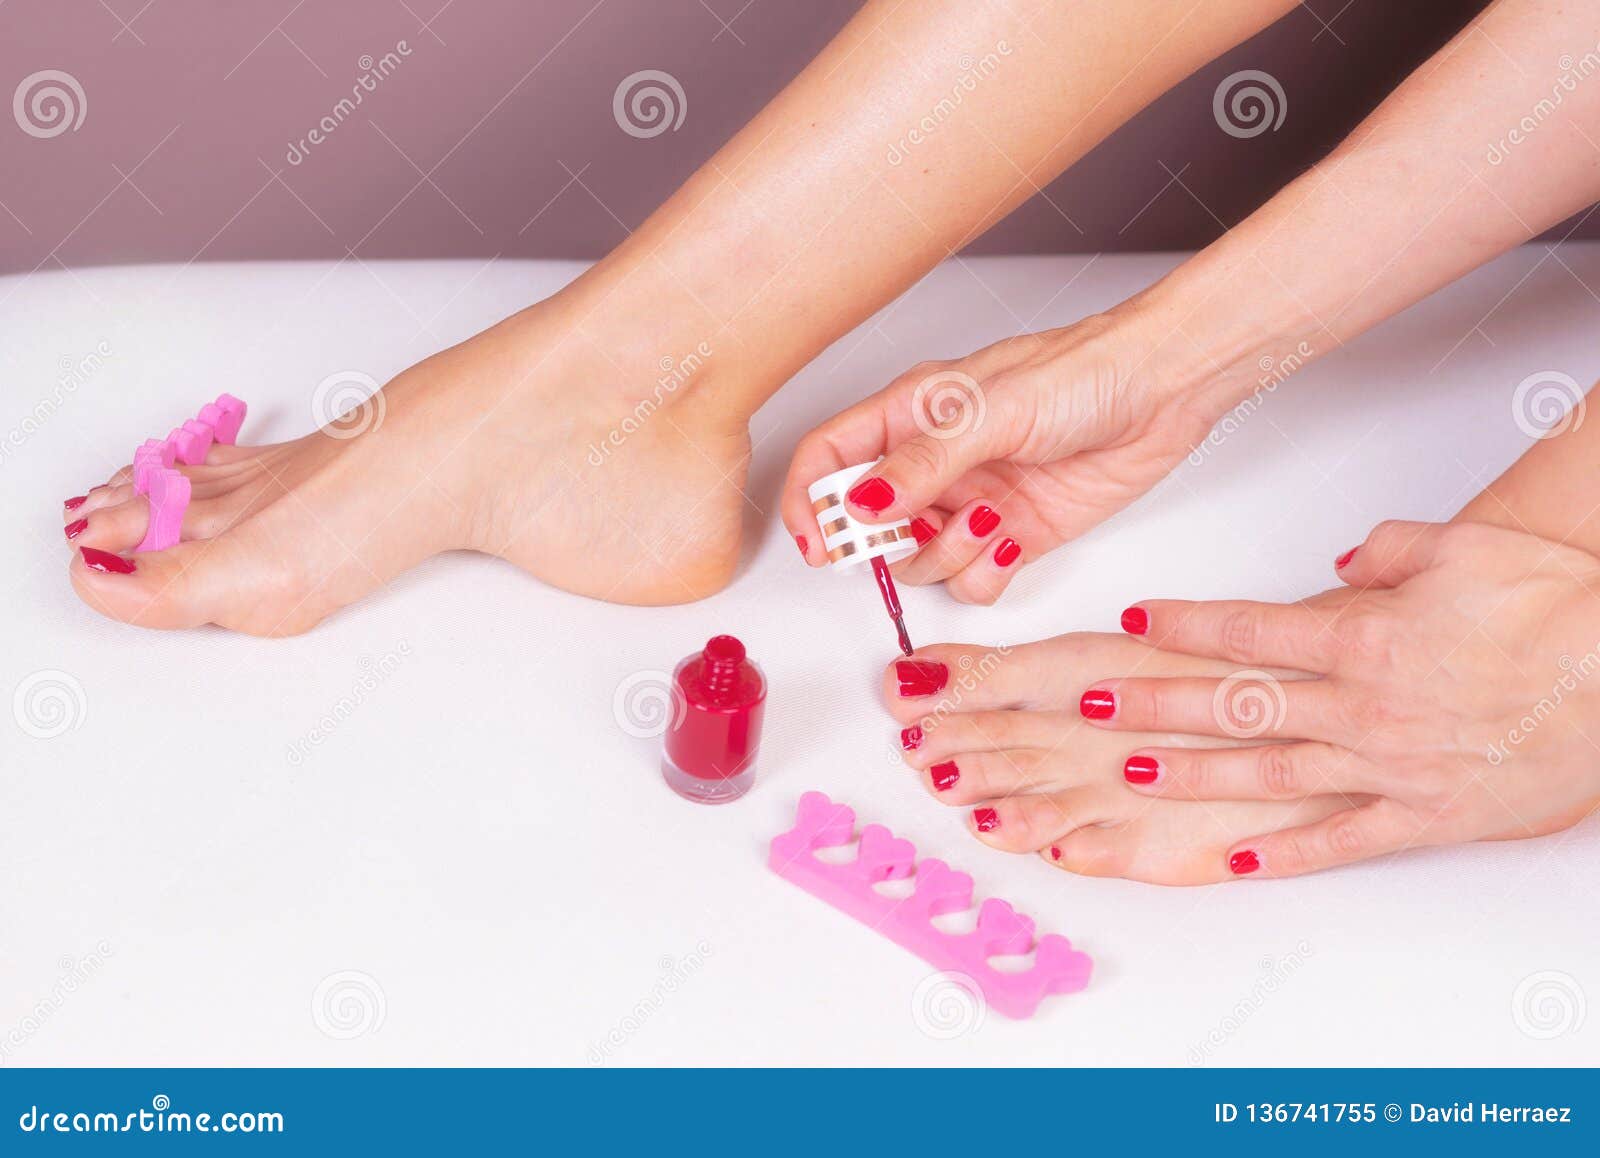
872	494
76	528
1141	770
800	541
1340	562
1055	853
946	774
911	738
919	677
987	819
922	531
105	561
74	503
1136	621
982	521
1007	552
1243	862
1098	704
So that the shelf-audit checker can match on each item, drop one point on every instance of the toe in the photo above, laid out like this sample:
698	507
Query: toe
940	737
98	497
980	776
1029	823
118	528
948	678
1100	851
159	589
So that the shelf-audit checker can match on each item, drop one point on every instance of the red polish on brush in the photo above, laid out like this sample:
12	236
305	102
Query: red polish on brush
891	600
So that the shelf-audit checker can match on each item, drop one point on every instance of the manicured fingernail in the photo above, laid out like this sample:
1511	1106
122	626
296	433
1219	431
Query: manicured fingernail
1340	563
1007	552
922	530
76	528
987	819
1141	770
982	521
911	738
1098	704
800	541
1136	621
920	677
871	494
105	561
944	775
1243	862
1055	853
73	504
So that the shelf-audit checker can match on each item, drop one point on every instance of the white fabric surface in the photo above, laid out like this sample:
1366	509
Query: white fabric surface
480	838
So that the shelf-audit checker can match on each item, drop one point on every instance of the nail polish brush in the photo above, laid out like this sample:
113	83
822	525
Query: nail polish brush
849	542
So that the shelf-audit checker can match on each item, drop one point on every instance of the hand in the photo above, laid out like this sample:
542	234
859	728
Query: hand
1052	432
1453	697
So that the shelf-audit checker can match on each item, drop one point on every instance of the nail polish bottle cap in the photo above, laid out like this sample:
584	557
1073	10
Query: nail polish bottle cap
849	542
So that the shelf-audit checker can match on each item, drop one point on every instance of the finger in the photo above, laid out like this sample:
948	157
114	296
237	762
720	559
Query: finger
916	471
1265	772
1238	630
1392	553
1245	706
1374	829
964	538
983	580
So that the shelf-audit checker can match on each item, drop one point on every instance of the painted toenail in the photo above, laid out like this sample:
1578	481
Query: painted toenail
987	819
1243	862
945	775
1098	704
1055	853
920	677
106	562
800	541
76	528
911	738
1343	561
1136	621
73	504
1141	770
1007	552
982	521
922	530
872	494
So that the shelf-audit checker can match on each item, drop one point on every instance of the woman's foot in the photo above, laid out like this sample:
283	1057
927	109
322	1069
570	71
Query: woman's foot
610	472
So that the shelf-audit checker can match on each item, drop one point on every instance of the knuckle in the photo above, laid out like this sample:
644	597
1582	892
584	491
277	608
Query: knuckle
1344	835
923	456
1365	638
1241	634
1364	713
1279	775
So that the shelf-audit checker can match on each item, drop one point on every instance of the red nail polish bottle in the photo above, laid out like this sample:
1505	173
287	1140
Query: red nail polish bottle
719	696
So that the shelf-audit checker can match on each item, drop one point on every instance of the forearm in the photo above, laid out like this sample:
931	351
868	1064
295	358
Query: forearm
1492	141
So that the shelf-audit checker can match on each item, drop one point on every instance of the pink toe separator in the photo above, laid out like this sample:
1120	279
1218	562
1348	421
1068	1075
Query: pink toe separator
155	454
908	921
224	416
169	499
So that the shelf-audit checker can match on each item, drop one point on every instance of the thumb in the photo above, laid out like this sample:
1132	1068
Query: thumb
1394	552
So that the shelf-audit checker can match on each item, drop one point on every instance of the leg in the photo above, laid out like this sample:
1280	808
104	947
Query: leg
555	440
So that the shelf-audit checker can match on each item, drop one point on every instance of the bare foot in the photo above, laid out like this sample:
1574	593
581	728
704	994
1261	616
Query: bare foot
609	473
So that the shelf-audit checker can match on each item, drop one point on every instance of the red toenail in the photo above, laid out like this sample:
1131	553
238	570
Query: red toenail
920	677
982	521
76	528
1141	770
1055	853
106	562
1243	862
987	819
1343	560
871	494
911	738
1007	552
1136	621
922	531
1098	704
800	541
74	503
945	775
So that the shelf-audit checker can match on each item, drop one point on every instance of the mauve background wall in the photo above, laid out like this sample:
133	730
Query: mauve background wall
495	135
